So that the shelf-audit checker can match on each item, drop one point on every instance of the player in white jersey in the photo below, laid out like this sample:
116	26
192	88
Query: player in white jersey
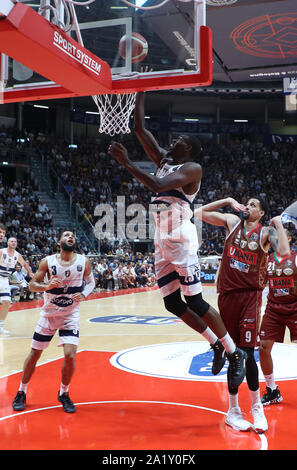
66	279
176	243
9	257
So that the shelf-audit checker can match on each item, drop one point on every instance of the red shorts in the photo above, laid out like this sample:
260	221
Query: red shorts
241	313
274	324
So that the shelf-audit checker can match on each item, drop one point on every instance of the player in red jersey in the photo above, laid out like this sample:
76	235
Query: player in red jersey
240	282
280	312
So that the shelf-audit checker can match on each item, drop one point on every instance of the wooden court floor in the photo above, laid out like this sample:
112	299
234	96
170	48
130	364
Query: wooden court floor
142	381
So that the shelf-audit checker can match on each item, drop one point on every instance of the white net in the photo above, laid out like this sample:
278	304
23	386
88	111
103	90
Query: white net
220	3
140	7
115	111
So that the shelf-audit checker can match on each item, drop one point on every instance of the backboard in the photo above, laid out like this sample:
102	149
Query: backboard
74	51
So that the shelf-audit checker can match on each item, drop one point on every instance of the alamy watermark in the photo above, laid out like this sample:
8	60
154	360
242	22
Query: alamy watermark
136	221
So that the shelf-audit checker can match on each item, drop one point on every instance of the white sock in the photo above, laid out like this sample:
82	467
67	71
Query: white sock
64	389
233	400
23	387
228	343
269	379
255	396
209	335
1	323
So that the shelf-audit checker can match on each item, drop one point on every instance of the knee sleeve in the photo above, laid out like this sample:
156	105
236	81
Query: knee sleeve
252	371
174	303
197	304
250	353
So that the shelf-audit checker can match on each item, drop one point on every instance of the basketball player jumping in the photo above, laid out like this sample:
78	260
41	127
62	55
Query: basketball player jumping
240	282
280	312
176	243
9	257
66	279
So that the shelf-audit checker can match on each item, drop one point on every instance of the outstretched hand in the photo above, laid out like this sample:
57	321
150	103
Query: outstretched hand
119	152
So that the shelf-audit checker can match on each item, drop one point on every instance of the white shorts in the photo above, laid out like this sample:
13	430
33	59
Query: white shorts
176	261
47	326
5	291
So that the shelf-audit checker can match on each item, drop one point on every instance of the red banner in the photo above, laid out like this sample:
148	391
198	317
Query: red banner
45	48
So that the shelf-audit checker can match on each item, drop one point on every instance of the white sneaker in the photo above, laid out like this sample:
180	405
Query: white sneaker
235	420
4	332
260	422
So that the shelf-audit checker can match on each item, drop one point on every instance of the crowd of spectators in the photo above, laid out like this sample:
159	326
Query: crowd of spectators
112	272
243	170
27	218
92	177
240	169
124	271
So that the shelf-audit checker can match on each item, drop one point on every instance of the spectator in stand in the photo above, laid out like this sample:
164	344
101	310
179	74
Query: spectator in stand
141	274
108	281
152	279
119	277
99	272
18	283
130	275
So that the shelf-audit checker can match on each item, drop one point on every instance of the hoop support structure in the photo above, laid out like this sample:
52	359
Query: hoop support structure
149	82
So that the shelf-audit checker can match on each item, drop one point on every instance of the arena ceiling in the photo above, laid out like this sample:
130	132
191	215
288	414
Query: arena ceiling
254	41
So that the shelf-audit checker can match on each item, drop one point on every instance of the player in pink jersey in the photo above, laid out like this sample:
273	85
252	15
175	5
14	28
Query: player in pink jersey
241	280
280	312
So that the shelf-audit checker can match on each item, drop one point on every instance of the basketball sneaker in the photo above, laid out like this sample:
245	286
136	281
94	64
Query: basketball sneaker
236	369
219	357
260	422
235	420
19	401
271	396
67	403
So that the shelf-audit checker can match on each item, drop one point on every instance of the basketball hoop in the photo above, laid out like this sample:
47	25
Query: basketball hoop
115	111
62	12
154	7
138	7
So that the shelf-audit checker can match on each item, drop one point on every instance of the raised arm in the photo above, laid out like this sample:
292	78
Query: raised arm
147	140
276	237
209	213
188	173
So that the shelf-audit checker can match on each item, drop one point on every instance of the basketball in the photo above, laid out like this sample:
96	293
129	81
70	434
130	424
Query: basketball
139	47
